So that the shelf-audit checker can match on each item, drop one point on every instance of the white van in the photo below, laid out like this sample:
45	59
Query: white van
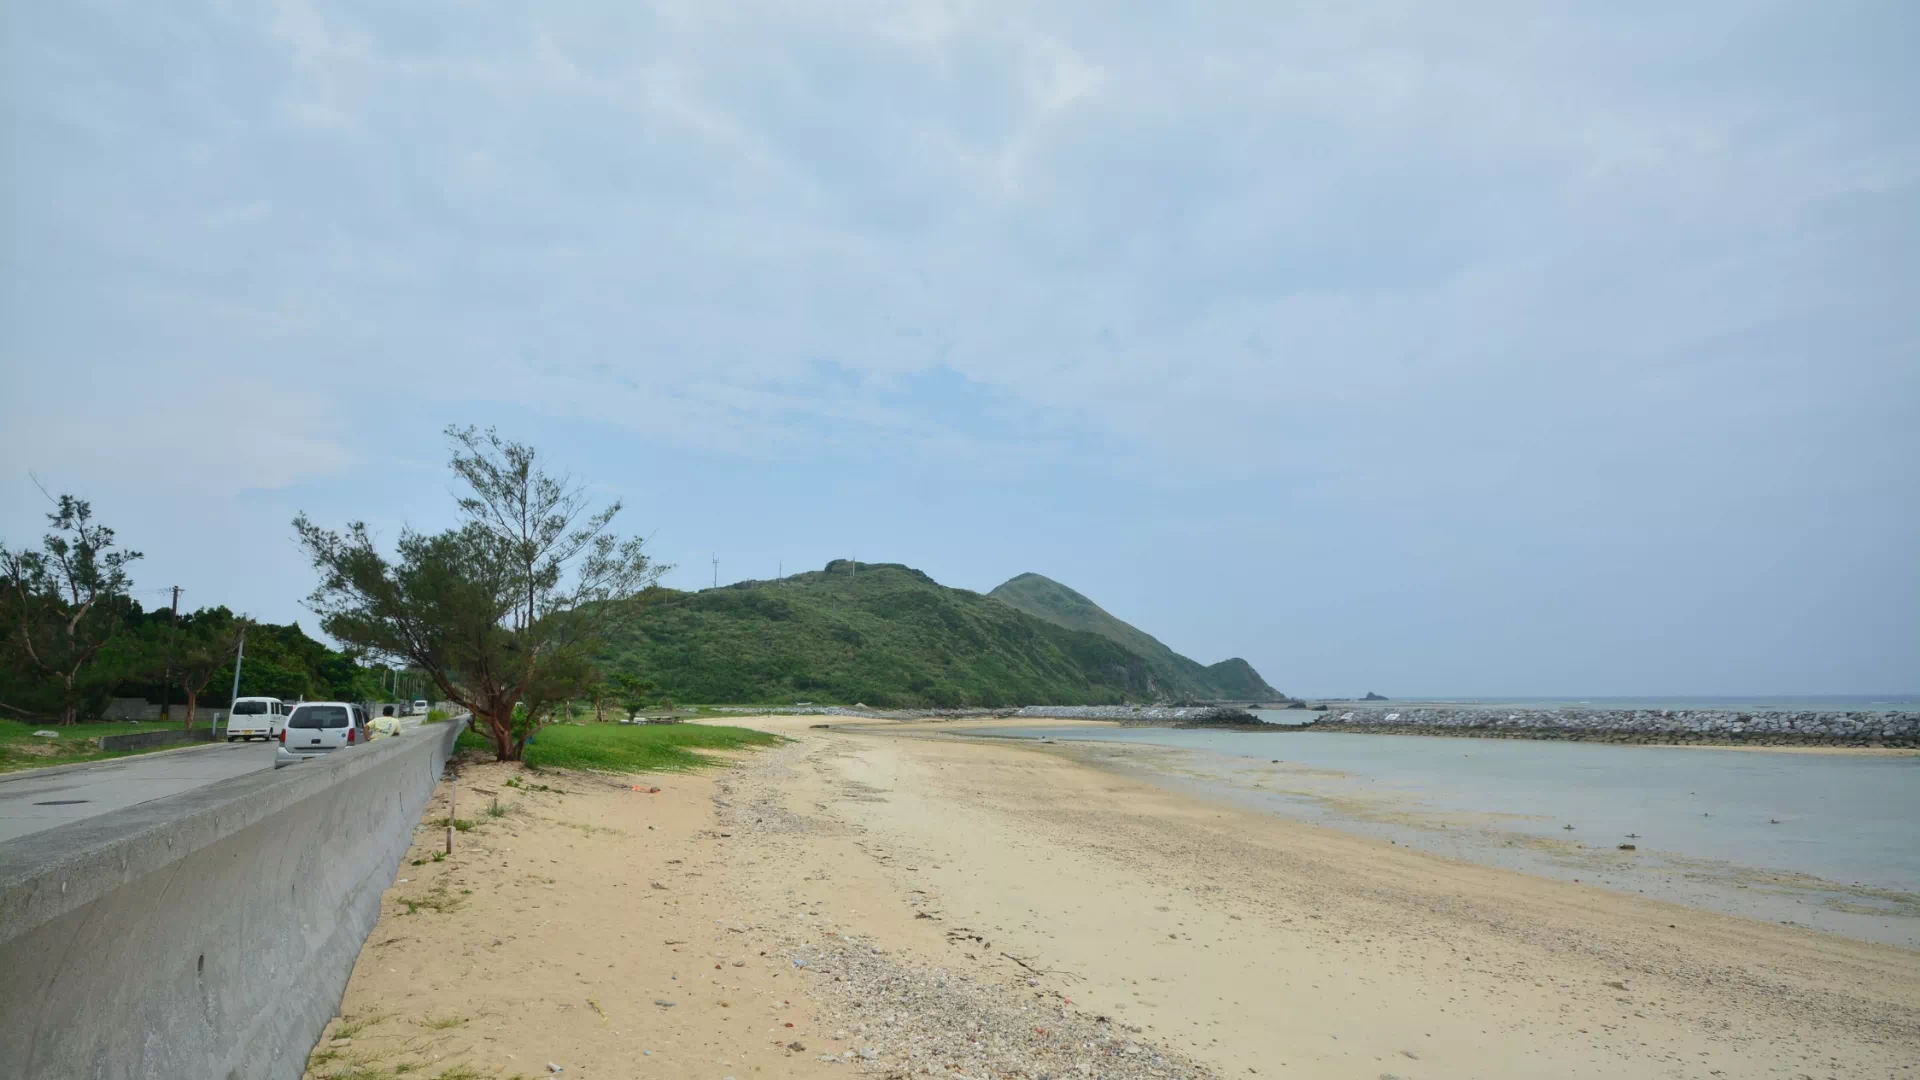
320	727
255	718
420	707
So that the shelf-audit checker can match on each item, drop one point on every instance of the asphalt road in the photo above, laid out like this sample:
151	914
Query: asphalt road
32	801
44	799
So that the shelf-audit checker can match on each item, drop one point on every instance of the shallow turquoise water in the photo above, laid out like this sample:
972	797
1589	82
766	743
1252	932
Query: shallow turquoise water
1704	819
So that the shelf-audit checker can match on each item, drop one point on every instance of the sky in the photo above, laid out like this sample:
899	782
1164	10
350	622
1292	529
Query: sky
1504	348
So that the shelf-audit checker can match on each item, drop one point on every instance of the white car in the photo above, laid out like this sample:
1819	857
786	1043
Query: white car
420	707
255	718
320	727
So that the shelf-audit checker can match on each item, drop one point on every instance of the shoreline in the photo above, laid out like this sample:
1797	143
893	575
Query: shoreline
1606	736
1374	796
928	904
1384	946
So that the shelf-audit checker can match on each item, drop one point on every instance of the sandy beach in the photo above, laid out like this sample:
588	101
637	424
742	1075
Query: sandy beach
931	905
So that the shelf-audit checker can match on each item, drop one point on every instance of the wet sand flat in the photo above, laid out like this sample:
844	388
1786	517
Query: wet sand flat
956	905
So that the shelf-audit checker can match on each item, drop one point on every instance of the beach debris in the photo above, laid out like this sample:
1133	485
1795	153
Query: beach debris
646	790
1617	984
1628	847
796	1046
552	1068
664	1003
656	885
1410	1055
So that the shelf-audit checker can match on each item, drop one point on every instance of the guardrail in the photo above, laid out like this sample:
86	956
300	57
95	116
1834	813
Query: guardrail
209	934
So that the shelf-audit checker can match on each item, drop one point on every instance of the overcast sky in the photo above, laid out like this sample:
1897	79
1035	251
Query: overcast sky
1496	348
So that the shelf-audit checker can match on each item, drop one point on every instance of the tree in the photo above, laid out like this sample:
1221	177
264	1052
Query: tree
632	691
205	647
508	609
62	600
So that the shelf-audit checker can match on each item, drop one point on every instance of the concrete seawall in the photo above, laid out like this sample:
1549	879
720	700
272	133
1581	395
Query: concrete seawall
1685	726
208	934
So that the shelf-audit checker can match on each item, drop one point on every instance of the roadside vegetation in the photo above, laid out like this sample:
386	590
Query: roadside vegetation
20	748
628	748
74	636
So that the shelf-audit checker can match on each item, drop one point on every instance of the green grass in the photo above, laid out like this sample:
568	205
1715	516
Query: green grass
21	749
437	716
351	1026
628	747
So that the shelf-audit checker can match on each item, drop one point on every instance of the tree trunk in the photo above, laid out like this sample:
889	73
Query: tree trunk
69	710
193	698
499	721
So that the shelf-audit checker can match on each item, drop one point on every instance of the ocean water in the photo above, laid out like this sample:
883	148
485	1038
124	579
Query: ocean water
1903	702
1828	841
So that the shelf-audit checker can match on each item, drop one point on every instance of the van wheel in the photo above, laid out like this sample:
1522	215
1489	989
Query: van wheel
230	738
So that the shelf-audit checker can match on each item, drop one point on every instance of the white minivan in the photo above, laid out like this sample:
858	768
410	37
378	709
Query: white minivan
255	718
320	727
420	707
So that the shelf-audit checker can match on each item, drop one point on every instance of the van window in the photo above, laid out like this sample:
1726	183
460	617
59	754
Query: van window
249	708
318	716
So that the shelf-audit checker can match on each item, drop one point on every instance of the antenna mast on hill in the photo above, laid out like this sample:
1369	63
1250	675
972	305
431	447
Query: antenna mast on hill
716	569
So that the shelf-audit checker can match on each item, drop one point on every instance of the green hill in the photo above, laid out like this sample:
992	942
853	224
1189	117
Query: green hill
888	636
1174	675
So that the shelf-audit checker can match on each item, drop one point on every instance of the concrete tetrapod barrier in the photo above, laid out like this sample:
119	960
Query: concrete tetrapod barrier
210	934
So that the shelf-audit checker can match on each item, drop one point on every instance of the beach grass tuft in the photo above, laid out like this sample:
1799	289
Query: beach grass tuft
629	747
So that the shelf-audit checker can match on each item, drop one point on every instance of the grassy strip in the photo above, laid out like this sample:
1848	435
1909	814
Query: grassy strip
20	748
627	747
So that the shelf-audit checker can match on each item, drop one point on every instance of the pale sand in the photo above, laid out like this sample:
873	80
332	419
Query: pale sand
1248	941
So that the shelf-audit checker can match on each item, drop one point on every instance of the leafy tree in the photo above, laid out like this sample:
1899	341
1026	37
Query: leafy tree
631	691
61	601
204	648
508	609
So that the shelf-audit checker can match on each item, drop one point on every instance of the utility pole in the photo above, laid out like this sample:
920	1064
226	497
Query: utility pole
239	656
166	689
716	569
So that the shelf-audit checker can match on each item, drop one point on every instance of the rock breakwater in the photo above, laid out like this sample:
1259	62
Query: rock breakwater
1158	715
1682	726
862	712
